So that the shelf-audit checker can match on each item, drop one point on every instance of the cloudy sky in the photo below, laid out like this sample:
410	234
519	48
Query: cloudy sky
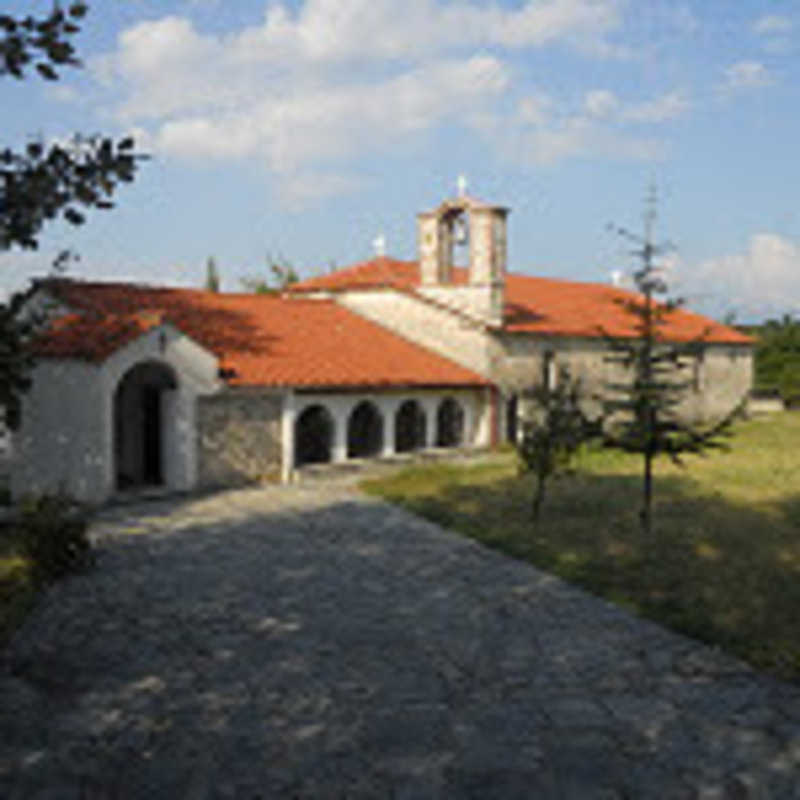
306	128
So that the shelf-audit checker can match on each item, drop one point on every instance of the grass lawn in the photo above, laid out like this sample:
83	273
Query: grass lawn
724	561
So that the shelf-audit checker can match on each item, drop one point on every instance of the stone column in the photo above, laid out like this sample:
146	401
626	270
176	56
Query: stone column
388	407
430	405
288	416
341	413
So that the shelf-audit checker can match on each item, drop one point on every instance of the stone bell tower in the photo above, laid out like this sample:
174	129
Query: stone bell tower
467	221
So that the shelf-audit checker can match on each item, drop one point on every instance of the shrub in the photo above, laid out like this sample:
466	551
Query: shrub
550	442
53	533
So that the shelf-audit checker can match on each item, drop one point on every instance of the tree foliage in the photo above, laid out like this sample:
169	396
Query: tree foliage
641	410
280	274
777	357
42	182
551	439
41	41
212	275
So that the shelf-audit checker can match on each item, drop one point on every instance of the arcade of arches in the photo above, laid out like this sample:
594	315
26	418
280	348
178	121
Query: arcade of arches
366	432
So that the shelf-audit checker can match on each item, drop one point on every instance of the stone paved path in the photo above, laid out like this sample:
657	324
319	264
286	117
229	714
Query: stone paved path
312	643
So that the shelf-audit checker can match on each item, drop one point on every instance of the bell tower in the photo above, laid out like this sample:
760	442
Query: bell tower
463	220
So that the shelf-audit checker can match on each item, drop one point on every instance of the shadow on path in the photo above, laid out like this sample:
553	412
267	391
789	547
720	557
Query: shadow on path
293	643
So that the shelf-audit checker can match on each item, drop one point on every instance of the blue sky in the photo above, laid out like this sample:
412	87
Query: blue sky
307	128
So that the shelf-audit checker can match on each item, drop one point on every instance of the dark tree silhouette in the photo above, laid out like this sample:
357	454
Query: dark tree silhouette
40	183
212	276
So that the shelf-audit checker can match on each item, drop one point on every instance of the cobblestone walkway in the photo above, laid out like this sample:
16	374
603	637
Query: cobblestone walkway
313	643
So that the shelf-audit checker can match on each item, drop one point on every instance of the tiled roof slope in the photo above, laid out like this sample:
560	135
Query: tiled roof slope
547	306
264	340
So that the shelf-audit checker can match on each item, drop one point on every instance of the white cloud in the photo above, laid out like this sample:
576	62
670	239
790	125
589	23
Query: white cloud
746	75
534	109
668	106
334	30
543	132
555	139
336	122
300	189
310	88
772	24
600	103
774	31
764	279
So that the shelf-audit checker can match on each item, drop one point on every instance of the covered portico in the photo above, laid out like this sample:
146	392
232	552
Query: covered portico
334	427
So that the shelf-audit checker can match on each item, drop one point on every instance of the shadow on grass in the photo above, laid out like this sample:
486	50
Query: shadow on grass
727	574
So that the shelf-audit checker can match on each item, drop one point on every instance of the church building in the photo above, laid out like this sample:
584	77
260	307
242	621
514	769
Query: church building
140	386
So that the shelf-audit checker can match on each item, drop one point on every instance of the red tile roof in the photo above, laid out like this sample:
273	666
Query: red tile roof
94	339
545	306
262	339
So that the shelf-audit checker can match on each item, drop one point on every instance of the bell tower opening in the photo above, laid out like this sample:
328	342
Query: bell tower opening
465	232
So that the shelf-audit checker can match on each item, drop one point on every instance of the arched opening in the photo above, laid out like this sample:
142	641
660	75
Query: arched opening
512	424
409	427
449	423
313	436
139	424
364	431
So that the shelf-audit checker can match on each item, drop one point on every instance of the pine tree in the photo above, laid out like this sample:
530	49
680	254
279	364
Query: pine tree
212	275
641	411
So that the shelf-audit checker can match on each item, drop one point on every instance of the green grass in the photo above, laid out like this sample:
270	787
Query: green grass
723	564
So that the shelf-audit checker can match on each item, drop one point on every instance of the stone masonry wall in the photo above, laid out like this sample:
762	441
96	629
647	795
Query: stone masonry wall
718	382
238	438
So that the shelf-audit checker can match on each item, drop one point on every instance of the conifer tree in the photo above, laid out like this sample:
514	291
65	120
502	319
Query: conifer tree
212	275
641	409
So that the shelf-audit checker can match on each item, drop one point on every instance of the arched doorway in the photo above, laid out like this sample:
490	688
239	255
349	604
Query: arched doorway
139	424
313	436
512	424
449	423
364	431
409	427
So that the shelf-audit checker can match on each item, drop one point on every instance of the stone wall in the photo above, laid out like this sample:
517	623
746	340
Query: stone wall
239	438
718	381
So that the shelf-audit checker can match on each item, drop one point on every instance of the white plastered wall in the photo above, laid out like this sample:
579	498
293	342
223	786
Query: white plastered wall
66	439
196	373
437	329
61	443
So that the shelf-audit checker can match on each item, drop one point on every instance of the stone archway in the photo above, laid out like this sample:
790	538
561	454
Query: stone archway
313	436
364	431
409	427
449	423
139	425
